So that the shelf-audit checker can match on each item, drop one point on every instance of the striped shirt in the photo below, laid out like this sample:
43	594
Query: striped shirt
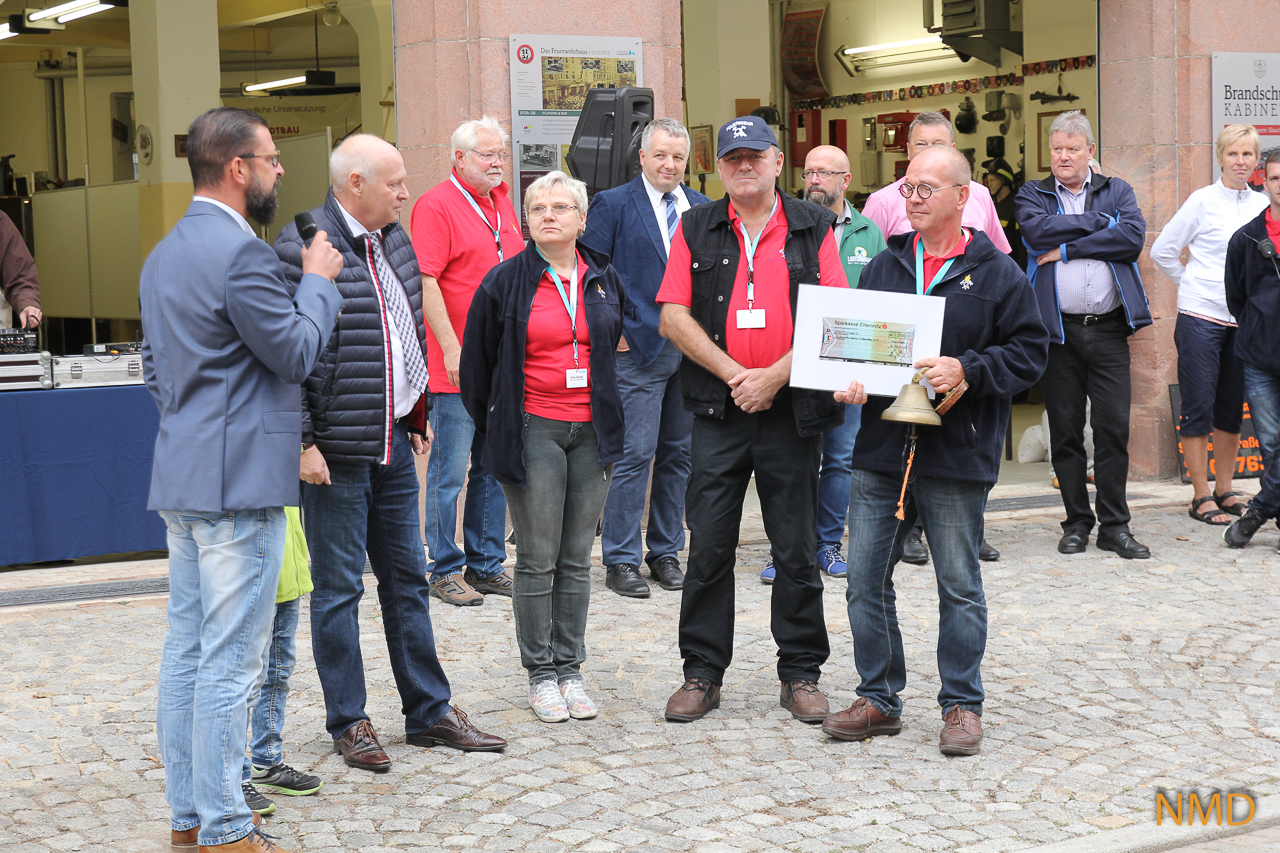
1085	285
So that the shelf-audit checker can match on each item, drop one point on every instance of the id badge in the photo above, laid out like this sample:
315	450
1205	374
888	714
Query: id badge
751	318
575	378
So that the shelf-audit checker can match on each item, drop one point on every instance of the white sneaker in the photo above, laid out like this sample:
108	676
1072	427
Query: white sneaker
575	696
547	703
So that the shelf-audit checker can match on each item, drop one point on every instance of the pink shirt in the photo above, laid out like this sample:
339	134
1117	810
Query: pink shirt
888	209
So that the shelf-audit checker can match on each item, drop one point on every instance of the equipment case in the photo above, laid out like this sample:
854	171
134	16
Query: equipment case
76	371
28	371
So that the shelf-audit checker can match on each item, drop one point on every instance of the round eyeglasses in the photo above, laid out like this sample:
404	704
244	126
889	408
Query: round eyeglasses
922	190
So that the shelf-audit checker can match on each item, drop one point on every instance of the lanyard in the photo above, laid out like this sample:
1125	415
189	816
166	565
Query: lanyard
570	302
921	289
497	233
750	246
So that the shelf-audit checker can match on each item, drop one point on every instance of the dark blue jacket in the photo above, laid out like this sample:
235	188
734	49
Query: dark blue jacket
491	378
1252	282
992	325
622	225
1111	229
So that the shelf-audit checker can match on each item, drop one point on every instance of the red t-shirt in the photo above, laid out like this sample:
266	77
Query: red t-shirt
548	353
932	265
754	347
1273	229
456	249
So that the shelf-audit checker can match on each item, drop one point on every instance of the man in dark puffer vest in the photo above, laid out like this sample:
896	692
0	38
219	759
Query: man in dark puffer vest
363	418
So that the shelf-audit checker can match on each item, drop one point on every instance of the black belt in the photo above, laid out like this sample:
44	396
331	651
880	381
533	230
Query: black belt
1094	319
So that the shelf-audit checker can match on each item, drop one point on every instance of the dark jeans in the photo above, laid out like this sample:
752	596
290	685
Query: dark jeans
555	516
725	452
1263	388
658	431
951	511
1091	364
373	507
1210	377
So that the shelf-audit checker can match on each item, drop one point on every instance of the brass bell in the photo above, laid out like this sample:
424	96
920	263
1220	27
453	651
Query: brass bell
912	405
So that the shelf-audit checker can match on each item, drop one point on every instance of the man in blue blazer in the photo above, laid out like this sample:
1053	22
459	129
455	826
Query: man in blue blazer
633	224
224	352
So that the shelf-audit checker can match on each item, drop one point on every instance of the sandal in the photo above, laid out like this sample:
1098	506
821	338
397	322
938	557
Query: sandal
1208	515
1236	509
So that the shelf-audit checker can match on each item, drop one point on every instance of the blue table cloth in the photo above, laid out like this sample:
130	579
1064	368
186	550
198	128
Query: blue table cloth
75	468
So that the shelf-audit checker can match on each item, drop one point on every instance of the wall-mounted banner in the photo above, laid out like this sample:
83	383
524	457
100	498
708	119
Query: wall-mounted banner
303	115
550	76
800	70
1246	90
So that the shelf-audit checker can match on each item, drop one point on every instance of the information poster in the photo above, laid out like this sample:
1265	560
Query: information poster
550	77
294	116
1246	90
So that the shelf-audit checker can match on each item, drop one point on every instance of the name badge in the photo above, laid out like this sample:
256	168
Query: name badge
751	318
575	378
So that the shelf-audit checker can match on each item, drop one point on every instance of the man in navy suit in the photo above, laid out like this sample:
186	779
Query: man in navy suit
633	224
224	352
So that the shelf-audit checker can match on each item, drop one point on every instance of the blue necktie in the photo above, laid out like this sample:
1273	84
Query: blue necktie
673	219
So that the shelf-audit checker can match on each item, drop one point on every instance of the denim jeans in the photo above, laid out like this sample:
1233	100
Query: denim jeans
951	511
555	516
266	745
834	476
1263	390
658	431
223	571
484	511
374	507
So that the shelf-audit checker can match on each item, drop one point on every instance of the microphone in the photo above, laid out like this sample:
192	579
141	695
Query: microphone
306	227
1267	248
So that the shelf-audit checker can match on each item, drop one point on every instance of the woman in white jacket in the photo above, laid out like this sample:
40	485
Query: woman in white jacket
1210	377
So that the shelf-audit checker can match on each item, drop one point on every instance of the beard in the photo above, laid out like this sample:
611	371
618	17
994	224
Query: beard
821	197
260	202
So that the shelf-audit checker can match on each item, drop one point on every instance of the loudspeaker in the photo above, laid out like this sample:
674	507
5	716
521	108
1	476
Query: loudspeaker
605	151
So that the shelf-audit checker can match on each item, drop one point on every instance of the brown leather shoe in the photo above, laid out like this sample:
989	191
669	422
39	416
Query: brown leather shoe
359	748
805	701
189	838
961	732
455	730
256	841
860	721
696	698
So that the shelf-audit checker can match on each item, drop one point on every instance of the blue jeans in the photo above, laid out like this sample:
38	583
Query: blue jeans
1263	390
951	511
373	507
484	512
266	745
834	476
555	516
658	430
223	571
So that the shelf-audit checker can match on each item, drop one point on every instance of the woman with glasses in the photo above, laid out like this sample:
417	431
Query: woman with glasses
538	379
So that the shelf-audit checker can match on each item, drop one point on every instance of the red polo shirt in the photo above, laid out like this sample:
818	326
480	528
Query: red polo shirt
1273	229
932	265
548	353
754	347
456	249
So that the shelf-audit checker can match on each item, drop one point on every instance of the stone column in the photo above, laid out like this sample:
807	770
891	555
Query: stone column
372	21
175	78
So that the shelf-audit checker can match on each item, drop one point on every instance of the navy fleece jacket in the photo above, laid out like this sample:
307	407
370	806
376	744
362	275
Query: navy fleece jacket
992	325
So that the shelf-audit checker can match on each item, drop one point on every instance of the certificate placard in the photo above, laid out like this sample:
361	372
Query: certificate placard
868	335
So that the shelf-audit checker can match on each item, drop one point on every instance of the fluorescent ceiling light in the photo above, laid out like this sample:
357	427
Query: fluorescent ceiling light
857	51
82	13
6	33
61	9
276	84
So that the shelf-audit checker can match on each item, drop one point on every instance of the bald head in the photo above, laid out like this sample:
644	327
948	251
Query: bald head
826	177
946	172
367	174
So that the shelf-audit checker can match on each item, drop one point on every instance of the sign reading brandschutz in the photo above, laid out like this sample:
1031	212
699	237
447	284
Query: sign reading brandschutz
1246	90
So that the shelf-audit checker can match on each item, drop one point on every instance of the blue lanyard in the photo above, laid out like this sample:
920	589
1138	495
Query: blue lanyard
750	246
921	289
497	232
570	300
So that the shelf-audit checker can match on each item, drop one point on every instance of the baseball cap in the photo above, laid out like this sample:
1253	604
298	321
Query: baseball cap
745	132
999	166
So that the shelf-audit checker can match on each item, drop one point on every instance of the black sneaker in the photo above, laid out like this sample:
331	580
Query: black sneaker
255	801
283	779
1239	533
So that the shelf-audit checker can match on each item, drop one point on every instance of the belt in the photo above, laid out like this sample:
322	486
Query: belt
1094	319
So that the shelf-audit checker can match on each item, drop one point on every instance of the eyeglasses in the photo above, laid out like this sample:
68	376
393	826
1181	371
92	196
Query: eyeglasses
820	174
273	159
922	190
557	209
492	157
921	144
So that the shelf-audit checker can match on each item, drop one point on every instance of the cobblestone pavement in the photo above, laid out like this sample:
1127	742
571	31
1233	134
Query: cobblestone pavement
1105	679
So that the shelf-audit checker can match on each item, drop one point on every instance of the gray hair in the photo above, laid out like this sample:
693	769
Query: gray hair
347	159
669	126
466	137
1072	123
931	119
576	189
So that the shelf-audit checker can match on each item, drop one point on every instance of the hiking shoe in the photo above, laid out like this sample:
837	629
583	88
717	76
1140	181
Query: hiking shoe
283	779
500	584
831	561
255	801
769	573
454	589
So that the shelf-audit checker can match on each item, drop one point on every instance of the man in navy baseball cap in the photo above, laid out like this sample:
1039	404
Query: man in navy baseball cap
746	132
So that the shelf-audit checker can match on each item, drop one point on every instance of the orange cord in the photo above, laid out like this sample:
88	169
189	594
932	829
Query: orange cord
901	514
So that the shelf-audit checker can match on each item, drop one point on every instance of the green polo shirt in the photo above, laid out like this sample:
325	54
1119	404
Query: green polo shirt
860	241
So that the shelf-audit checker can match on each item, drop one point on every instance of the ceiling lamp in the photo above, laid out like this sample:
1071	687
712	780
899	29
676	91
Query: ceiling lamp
311	77
6	33
331	16
871	48
84	13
